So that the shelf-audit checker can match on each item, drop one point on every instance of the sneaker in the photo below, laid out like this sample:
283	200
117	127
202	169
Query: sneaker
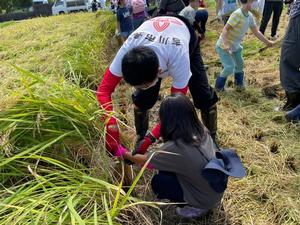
274	38
190	212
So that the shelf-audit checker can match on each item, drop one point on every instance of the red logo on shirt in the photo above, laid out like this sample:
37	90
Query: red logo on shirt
160	24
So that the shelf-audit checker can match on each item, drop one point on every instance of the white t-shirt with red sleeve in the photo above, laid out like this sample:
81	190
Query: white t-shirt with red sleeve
169	38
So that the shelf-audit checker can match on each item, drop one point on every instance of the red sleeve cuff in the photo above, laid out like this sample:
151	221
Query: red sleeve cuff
181	90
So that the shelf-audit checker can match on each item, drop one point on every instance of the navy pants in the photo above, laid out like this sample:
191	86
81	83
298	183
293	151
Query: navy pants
166	186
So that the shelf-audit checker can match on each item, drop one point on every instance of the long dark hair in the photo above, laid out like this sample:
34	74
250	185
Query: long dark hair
179	120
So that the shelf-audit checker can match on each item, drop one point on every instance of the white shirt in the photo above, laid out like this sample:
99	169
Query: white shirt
169	38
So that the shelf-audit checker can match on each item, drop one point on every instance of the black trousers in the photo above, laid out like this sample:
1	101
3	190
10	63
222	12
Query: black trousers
275	8
203	94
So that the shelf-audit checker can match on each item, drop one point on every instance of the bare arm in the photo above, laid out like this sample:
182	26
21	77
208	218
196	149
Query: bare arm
225	37
261	37
137	158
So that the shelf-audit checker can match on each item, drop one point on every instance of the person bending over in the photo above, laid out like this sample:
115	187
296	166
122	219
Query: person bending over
160	47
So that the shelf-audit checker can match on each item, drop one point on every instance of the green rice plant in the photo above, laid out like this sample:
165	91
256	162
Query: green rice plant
61	194
47	110
42	182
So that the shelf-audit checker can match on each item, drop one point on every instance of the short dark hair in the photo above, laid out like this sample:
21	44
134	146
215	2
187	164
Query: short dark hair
140	65
179	120
244	1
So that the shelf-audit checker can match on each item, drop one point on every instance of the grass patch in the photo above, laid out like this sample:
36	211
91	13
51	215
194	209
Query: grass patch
5	24
53	163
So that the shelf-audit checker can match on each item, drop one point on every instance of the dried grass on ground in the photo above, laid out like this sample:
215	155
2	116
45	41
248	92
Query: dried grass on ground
268	146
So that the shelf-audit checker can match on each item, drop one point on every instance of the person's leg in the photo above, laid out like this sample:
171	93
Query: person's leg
293	99
204	96
203	19
290	64
277	8
239	68
166	186
266	16
143	101
228	68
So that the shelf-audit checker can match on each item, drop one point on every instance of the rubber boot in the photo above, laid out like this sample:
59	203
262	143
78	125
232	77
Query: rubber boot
220	83
294	114
209	119
239	80
141	122
293	99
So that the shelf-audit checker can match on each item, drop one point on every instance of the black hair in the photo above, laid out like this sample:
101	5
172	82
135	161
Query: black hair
179	120
244	1
140	65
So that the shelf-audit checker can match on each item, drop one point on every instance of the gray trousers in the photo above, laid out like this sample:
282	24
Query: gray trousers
290	57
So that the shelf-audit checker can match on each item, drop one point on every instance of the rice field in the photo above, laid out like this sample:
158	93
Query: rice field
53	166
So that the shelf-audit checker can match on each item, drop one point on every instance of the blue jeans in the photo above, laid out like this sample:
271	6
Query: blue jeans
232	63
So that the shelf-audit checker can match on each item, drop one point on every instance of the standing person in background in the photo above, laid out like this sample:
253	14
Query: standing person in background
124	21
226	7
275	7
114	6
170	7
217	8
189	11
197	17
102	4
229	46
138	12
202	4
94	6
290	63
201	19
257	9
